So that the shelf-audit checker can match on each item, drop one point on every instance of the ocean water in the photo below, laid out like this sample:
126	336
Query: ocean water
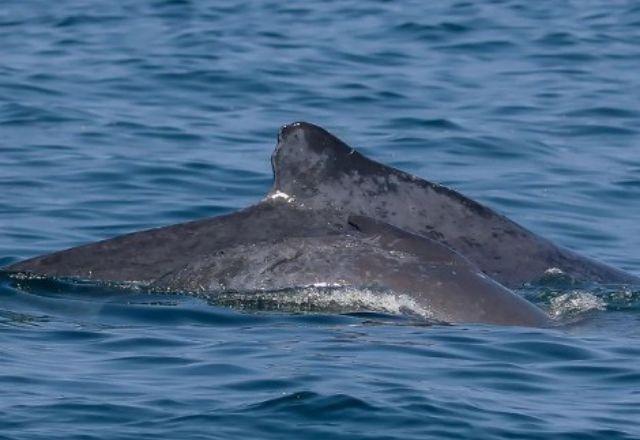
119	116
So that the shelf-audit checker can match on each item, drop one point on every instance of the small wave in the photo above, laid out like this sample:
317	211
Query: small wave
567	301
43	284
309	403
412	122
17	319
622	298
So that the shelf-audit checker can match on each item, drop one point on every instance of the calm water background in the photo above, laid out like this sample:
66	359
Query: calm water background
118	116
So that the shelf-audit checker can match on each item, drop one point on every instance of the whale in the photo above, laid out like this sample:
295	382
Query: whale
277	245
334	217
318	169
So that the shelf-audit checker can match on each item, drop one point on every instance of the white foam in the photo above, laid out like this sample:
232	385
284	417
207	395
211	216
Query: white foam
323	297
575	303
326	285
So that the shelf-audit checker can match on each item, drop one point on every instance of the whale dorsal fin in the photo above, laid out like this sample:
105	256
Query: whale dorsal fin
308	156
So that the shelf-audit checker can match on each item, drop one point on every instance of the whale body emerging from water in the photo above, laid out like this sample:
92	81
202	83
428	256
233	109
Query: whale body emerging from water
336	218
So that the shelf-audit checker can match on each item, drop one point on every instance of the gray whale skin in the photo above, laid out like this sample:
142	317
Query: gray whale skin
334	217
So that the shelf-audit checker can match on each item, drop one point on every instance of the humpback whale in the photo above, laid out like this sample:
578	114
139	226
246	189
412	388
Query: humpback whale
334	217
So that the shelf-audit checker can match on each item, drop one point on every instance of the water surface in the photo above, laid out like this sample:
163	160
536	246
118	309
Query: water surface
119	116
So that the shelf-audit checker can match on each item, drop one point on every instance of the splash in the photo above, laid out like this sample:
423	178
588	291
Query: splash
319	298
574	304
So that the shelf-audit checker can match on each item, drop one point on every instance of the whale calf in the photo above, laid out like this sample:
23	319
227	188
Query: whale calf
334	217
368	254
277	245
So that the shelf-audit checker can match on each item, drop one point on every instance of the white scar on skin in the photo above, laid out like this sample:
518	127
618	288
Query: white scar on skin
280	195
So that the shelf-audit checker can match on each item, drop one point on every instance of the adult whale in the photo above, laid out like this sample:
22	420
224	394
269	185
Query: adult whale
318	170
328	219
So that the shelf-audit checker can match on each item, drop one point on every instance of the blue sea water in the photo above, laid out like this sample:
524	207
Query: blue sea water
119	116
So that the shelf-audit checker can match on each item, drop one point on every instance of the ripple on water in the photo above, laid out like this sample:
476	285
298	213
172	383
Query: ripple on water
122	116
